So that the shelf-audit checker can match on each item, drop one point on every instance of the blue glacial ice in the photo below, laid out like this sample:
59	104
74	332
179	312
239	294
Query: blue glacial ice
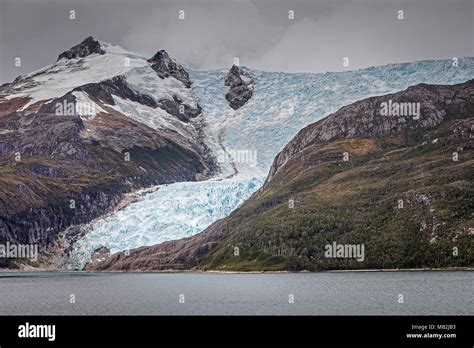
282	104
171	212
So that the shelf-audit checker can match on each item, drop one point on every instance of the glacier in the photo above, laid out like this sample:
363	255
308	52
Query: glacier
281	105
171	211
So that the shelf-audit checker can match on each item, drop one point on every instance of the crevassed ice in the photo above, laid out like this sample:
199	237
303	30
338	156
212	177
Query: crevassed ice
173	211
281	105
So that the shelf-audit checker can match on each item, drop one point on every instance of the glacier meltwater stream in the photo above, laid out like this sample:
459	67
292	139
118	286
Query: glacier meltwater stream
281	105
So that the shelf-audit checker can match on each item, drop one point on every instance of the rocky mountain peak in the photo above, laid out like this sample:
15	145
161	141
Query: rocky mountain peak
161	55
234	78
87	47
234	70
165	67
240	87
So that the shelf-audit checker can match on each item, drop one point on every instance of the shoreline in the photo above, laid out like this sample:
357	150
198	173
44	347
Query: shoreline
448	269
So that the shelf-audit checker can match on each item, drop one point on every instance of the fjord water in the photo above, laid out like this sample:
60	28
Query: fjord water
329	293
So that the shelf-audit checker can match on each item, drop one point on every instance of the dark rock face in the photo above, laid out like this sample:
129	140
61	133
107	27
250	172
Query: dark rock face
165	67
45	170
44	133
118	86
87	47
182	111
41	225
240	91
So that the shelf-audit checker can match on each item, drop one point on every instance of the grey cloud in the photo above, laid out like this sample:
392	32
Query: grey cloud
257	31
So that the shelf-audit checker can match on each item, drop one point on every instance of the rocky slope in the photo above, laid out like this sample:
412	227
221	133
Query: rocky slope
240	87
68	154
165	67
401	184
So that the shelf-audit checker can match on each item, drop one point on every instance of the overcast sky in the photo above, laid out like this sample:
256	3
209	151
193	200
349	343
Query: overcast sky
259	32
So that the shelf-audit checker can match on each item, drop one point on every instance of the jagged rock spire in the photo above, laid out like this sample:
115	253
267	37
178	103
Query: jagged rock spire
240	87
165	67
87	47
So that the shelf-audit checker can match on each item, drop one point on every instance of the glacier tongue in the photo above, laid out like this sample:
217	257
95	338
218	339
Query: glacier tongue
281	105
173	211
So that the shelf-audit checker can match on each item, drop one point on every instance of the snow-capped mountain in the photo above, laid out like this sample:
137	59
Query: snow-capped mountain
233	122
82	69
77	134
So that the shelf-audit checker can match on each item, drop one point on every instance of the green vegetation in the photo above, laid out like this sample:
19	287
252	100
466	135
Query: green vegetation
357	202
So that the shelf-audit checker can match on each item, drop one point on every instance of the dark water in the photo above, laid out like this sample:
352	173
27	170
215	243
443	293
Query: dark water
356	293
